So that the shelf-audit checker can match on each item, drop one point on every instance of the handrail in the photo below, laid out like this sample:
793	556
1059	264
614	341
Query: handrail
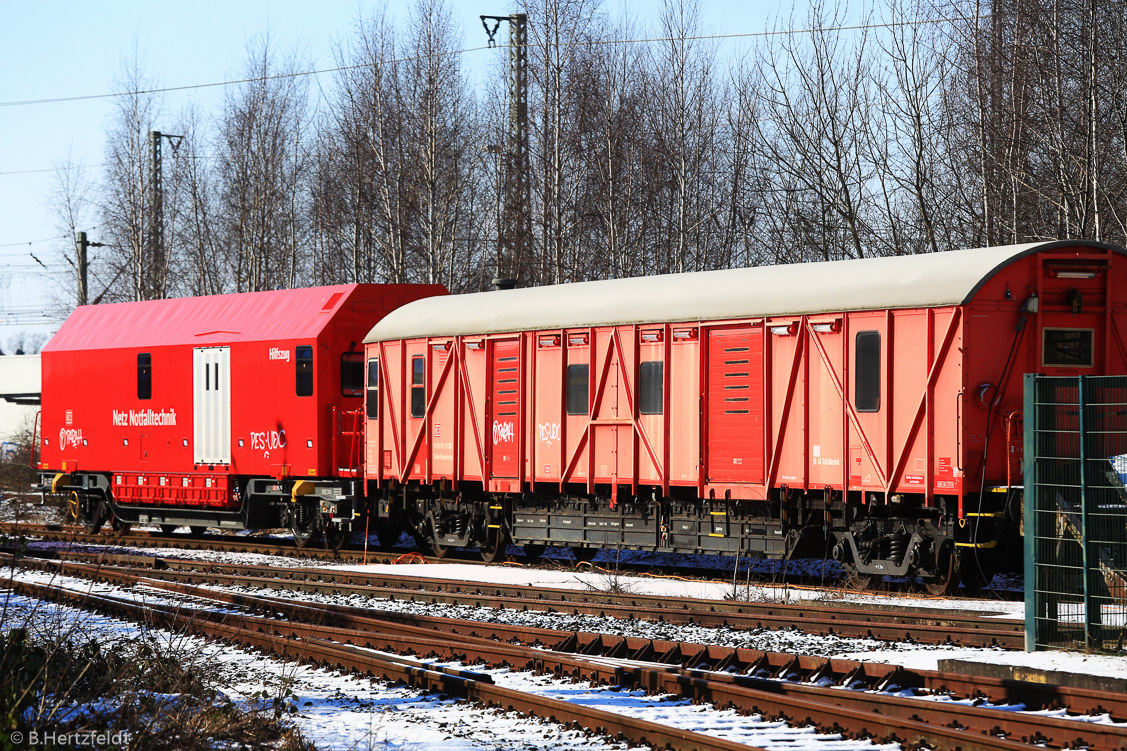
355	458
34	440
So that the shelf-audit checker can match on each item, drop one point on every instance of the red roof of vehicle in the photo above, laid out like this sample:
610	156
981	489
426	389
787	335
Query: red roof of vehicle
242	317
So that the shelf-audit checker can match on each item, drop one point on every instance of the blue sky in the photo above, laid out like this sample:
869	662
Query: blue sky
68	48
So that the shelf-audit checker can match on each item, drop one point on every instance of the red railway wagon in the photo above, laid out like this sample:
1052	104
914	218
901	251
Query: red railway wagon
240	410
866	408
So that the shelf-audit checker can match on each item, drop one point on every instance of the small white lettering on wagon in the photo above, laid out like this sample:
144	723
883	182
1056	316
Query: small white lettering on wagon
144	418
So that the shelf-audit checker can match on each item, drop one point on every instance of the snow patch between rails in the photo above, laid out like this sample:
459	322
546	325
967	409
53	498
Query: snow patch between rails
337	710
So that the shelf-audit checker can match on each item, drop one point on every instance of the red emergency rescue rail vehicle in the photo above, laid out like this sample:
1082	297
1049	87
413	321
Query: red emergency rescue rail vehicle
868	409
240	411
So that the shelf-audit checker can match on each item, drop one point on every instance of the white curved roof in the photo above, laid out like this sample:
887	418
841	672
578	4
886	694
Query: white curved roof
931	279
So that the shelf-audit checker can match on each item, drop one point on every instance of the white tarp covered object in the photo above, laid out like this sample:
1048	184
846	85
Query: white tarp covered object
926	280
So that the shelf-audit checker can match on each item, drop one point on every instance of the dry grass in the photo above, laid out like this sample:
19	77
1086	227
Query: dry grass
611	580
155	692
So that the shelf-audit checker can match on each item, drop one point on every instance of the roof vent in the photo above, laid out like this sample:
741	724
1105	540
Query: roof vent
504	284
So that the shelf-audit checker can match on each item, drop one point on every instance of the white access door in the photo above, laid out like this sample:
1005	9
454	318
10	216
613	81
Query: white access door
211	388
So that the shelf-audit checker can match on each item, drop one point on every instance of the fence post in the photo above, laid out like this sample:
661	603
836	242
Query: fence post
1029	515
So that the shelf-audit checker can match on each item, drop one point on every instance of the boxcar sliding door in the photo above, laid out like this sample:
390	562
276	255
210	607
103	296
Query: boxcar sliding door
735	405
504	408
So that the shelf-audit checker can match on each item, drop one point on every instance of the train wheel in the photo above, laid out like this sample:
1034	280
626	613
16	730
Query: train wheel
532	552
438	550
584	554
197	531
167	529
302	533
946	580
335	536
496	547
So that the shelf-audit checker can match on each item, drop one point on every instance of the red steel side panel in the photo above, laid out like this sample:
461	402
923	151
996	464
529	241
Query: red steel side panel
504	408
787	368
472	431
649	452
735	405
825	455
576	428
547	454
685	404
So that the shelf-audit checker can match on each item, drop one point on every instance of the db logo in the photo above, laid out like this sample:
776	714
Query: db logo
70	417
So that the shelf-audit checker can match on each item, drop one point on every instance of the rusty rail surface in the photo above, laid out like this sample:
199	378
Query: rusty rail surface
921	625
670	667
297	643
286	547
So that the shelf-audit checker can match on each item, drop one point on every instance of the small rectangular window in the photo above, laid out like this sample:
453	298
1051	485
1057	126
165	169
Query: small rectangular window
352	374
144	376
304	370
578	385
372	405
866	382
651	388
1067	348
418	388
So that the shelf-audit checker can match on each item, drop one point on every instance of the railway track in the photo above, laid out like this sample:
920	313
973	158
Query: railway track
286	547
920	625
820	692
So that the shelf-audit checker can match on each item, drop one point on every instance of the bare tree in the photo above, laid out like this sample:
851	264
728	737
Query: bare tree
126	180
359	197
192	213
438	127
72	207
262	175
814	103
612	89
685	123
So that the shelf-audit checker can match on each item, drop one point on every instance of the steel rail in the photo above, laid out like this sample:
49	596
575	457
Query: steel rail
286	547
861	713
461	684
922	625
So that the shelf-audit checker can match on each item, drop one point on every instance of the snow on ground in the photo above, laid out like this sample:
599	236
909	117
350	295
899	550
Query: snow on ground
337	710
667	586
333	710
789	641
27	508
583	578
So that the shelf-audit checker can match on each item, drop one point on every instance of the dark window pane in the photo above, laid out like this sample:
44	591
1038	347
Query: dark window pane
144	376
651	388
352	374
1070	348
418	389
304	370
372	405
866	384
577	388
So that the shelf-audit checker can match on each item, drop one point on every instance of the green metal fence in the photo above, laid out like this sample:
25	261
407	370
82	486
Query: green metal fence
1075	522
